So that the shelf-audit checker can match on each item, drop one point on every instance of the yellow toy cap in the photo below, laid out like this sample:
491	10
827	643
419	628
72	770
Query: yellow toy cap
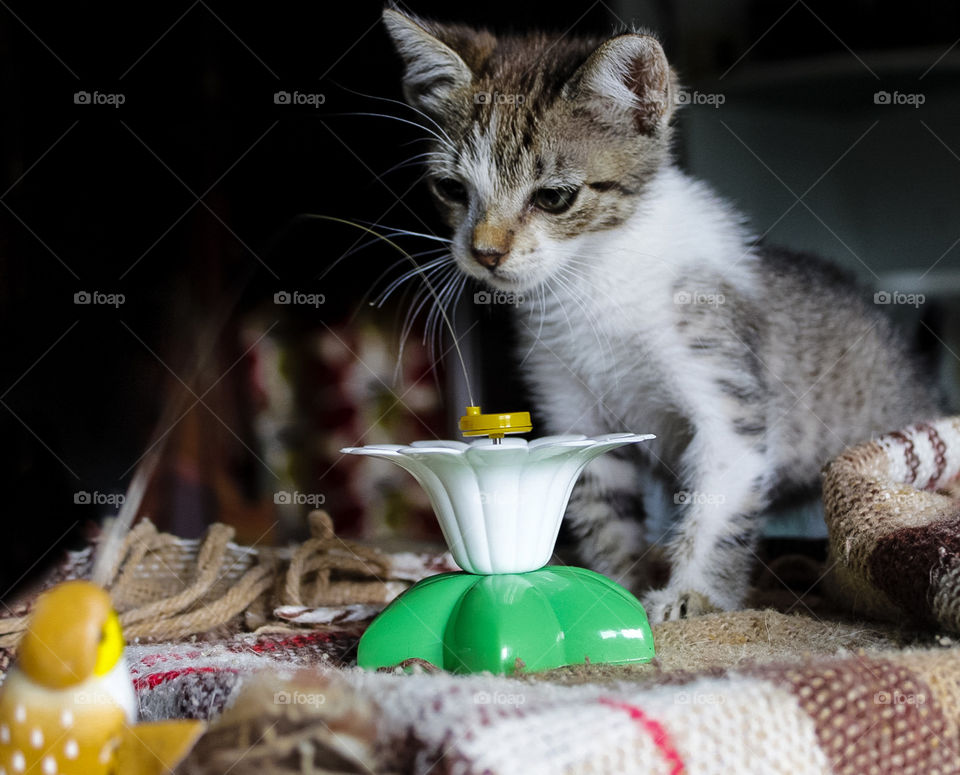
473	423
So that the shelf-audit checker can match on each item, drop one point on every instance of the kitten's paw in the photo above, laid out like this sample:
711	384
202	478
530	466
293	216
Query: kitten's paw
665	605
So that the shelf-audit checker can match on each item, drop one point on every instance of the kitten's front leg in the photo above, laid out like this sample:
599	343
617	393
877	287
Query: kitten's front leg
606	516
713	552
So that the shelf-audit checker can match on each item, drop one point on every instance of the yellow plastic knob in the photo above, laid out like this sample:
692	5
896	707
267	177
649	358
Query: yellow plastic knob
496	426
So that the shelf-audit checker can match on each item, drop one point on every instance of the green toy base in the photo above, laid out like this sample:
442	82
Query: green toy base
547	618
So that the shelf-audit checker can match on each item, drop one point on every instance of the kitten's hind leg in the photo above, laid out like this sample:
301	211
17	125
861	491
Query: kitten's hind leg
713	552
606	516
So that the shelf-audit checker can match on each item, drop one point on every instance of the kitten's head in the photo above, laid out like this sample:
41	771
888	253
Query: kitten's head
541	139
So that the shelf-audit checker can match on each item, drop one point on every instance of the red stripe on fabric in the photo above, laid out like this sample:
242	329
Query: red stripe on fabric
297	641
653	728
154	680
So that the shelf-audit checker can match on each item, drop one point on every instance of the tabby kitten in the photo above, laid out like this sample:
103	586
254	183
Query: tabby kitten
653	309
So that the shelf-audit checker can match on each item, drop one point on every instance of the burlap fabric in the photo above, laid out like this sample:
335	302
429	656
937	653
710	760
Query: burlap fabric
894	521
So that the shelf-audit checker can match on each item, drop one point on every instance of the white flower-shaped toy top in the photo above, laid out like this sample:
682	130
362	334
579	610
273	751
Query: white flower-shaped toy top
499	505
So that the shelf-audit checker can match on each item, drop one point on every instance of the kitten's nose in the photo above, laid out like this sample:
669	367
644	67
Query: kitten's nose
490	243
488	257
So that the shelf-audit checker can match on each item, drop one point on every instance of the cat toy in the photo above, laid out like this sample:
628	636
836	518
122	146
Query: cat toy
67	704
500	502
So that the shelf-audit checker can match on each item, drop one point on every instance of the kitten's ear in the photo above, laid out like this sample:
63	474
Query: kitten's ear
627	76
433	69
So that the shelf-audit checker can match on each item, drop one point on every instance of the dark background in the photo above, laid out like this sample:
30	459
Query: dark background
186	200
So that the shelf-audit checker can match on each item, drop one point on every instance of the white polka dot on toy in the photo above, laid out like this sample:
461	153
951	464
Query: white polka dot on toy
36	737
71	750
49	766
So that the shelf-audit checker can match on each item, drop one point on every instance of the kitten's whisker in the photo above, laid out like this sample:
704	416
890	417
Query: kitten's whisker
565	282
386	272
411	162
541	299
581	270
365	245
571	281
593	319
397	231
412	316
446	143
426	279
421	297
559	302
420	270
402	104
389	235
417	140
433	331
543	310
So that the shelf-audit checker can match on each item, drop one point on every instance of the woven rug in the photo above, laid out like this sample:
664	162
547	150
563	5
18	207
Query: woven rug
262	642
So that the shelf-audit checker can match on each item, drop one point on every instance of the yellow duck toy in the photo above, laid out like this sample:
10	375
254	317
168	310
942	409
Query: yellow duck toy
68	706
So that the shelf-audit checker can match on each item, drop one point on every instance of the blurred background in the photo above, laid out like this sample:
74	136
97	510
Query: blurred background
162	286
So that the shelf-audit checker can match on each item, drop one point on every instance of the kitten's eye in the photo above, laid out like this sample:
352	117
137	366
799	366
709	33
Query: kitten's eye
555	200
451	189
